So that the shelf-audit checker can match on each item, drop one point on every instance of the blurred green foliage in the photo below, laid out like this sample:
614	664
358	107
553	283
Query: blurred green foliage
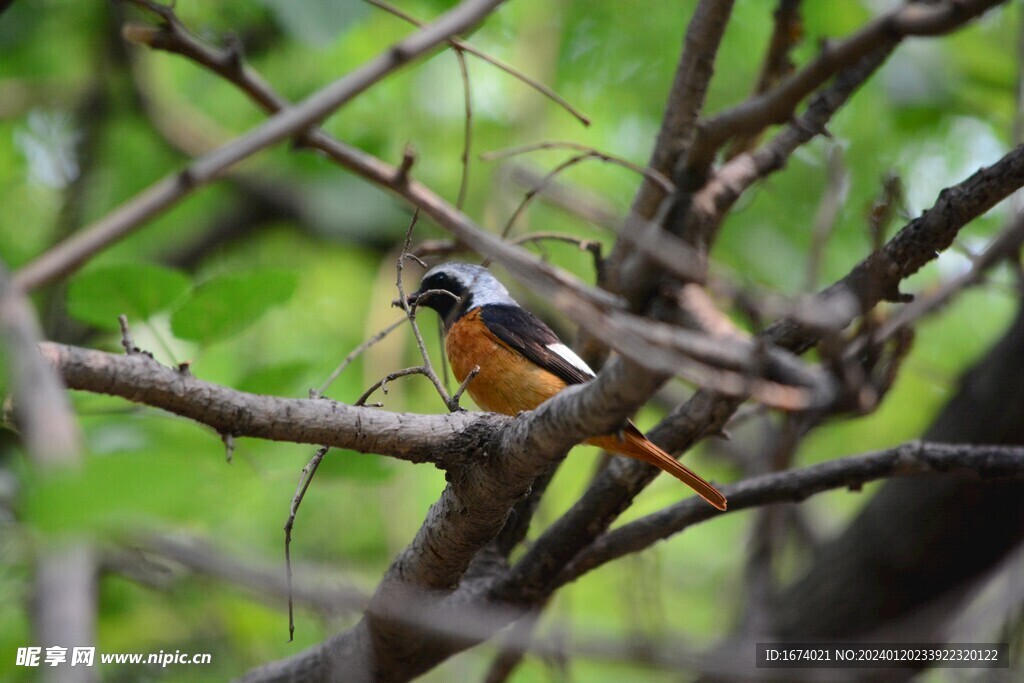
137	290
267	279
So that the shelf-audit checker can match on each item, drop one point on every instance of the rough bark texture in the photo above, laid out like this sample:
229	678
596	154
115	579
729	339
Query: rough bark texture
919	540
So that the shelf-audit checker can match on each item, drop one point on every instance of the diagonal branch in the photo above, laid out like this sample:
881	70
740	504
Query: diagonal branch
777	64
710	204
793	486
685	99
706	413
474	508
69	255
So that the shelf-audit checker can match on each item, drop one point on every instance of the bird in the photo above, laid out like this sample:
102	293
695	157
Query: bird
521	361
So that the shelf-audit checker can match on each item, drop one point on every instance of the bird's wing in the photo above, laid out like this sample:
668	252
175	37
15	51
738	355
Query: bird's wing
526	333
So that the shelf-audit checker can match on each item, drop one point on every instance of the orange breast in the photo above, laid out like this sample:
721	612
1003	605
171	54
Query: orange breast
507	383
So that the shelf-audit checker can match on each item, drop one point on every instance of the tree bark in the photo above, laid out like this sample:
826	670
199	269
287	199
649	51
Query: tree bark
920	542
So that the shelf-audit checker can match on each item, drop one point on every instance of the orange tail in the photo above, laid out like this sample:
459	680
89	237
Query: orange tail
636	445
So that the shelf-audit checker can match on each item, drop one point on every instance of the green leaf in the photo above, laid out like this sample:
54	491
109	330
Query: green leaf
137	290
226	305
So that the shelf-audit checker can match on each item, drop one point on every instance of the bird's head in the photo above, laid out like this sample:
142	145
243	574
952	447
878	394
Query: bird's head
453	289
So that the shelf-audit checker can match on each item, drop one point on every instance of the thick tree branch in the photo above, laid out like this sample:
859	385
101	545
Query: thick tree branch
793	486
471	512
877	278
138	378
712	202
1002	248
706	413
675	138
538	275
685	99
474	508
584	305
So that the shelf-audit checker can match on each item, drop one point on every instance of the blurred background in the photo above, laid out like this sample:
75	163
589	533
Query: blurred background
267	279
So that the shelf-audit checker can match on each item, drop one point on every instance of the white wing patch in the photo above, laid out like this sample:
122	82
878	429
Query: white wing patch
567	354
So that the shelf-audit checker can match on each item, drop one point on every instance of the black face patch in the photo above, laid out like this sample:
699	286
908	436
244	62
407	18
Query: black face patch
445	294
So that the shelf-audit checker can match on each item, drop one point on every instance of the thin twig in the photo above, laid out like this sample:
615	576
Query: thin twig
467	131
356	352
229	446
571	198
410	313
382	383
463	46
651	174
535	190
837	186
408	160
465	383
70	254
126	336
885	207
300	492
592	246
